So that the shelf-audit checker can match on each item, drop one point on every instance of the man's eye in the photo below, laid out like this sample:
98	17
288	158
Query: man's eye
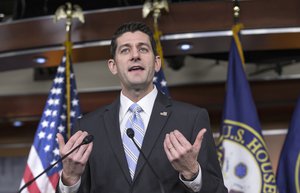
125	50
143	50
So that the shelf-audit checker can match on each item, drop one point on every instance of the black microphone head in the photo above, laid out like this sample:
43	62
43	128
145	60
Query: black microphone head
88	139
130	133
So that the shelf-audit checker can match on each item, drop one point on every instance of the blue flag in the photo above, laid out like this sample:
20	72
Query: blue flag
288	171
242	150
44	150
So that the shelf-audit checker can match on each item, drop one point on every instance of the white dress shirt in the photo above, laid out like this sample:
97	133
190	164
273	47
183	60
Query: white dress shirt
146	103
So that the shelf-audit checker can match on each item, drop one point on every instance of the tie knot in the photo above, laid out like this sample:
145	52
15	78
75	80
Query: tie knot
135	108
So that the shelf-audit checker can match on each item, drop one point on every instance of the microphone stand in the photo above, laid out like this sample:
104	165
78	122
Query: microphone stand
130	134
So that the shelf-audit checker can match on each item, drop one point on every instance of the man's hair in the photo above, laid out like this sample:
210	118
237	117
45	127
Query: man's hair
131	27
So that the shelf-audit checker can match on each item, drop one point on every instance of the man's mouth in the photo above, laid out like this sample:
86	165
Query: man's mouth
134	68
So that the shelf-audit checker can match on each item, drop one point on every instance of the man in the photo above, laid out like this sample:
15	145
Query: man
170	133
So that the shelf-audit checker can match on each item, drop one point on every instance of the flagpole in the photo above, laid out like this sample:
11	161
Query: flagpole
68	12
156	36
156	8
243	169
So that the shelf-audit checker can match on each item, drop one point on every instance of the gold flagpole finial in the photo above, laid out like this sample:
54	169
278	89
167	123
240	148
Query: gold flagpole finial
237	28
156	7
69	12
236	11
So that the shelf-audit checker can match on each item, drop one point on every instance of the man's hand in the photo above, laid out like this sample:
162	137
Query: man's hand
74	164
182	154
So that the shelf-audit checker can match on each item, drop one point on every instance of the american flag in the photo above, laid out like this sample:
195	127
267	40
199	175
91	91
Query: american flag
160	82
45	150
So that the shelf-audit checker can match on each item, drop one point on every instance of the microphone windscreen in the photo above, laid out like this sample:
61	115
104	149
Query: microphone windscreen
130	133
88	139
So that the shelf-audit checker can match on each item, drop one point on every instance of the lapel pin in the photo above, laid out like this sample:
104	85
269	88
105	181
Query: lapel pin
163	113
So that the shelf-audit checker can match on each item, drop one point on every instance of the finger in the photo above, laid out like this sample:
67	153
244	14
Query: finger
69	145
60	140
82	148
169	145
168	141
79	141
166	147
86	153
199	138
176	147
181	139
175	142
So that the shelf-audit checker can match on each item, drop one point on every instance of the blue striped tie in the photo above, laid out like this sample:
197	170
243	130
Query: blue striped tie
136	123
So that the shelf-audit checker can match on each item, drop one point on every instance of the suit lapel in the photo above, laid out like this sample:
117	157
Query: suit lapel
112	126
158	119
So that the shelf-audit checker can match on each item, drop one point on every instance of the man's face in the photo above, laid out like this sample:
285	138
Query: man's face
134	61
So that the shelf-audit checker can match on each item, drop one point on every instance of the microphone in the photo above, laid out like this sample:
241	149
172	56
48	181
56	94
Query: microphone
130	134
88	139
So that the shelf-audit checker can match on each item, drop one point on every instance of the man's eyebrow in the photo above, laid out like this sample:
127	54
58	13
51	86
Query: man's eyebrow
129	45
143	44
124	45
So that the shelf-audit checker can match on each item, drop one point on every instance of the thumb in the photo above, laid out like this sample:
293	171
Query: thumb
61	141
199	138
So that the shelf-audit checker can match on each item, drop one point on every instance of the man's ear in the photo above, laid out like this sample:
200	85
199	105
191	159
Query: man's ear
157	64
112	66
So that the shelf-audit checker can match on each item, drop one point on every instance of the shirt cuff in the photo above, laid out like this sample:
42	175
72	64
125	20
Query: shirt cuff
194	185
68	189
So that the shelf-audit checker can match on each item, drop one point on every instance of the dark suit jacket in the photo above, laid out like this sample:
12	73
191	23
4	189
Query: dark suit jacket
107	169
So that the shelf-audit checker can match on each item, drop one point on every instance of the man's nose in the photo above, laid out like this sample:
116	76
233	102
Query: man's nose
135	54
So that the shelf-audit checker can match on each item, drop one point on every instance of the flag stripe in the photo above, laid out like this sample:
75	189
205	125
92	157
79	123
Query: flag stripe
35	170
28	176
54	179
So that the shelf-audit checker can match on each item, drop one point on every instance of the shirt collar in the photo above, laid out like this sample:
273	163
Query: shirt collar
146	103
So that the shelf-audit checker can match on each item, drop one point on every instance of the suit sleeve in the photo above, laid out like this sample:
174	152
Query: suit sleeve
212	179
